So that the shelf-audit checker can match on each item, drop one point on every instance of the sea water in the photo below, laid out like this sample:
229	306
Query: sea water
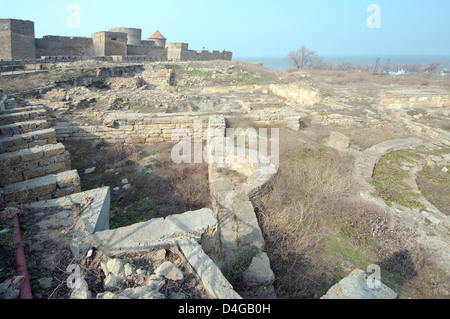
280	63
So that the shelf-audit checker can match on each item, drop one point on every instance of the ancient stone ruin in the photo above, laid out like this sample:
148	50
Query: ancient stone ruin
195	254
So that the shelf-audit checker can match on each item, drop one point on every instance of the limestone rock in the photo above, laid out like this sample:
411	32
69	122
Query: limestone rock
169	271
10	289
128	269
110	281
82	292
89	170
259	272
337	141
113	266
9	212
133	293
355	286
157	256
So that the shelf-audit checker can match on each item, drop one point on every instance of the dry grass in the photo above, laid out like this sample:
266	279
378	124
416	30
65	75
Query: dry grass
24	83
343	78
317	229
159	189
362	137
291	216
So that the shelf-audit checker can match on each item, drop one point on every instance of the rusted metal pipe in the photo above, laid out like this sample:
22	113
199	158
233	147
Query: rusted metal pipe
21	265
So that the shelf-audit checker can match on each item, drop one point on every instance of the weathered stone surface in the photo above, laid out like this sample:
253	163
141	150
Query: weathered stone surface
138	236
89	170
338	141
81	292
365	162
111	281
114	266
355	286
68	179
10	289
133	293
212	278
128	269
259	272
63	215
169	271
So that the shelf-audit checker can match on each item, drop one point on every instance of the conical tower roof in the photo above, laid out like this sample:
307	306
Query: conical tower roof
157	35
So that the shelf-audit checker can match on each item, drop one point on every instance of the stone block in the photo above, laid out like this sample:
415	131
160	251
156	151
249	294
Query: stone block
68	179
31	154
337	141
53	150
355	286
52	168
259	273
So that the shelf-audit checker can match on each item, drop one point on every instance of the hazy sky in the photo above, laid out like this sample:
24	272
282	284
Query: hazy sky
260	28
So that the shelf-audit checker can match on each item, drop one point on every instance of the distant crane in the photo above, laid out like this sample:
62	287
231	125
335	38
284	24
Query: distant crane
376	66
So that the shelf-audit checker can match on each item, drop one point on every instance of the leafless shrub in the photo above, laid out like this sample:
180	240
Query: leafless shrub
312	194
114	153
307	187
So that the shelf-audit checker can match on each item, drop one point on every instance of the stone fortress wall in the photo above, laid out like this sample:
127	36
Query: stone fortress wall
17	42
60	46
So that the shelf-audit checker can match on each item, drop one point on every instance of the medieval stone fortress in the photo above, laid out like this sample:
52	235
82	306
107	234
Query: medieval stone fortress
17	42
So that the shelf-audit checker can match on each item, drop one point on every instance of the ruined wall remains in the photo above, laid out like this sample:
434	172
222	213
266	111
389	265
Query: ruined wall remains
31	163
16	39
297	93
413	99
64	46
126	127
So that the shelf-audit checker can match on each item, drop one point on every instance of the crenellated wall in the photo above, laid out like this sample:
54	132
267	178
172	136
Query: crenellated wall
181	52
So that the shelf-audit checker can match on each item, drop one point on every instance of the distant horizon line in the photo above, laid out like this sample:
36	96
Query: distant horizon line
355	55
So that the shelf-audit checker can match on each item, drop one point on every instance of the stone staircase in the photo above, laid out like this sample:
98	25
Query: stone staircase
33	166
35	170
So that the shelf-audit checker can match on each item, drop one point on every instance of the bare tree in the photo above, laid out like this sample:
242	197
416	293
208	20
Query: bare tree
432	67
303	58
346	67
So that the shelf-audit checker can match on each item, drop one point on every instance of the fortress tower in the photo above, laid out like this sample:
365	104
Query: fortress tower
158	38
17	39
134	35
108	43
